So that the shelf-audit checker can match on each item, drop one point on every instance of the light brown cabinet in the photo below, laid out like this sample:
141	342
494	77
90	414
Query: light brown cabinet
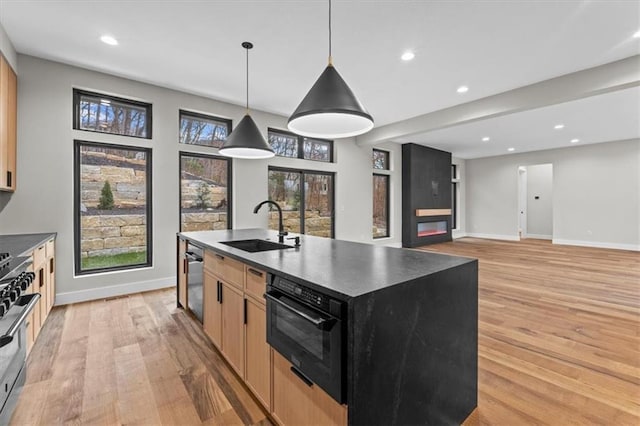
8	125
232	302
212	309
296	403
258	352
44	283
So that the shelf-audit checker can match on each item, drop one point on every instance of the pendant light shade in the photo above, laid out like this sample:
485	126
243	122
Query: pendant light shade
330	109
246	141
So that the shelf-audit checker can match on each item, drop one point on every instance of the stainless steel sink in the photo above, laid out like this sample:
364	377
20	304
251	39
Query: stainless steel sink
254	246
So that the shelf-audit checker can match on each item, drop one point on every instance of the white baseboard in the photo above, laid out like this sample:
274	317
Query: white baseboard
114	290
494	236
538	236
458	234
399	245
597	244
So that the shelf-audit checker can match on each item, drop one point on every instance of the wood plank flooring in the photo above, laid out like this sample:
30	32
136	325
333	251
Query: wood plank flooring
130	360
559	333
559	343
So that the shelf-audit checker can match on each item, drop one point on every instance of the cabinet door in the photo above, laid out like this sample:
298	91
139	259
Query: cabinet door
233	326
10	175
37	317
43	283
296	403
212	310
182	274
258	353
51	284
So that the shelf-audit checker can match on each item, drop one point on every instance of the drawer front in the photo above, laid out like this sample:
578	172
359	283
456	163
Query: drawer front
256	282
39	255
50	248
230	270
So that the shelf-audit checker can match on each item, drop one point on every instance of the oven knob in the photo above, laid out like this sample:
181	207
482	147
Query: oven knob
6	304
3	310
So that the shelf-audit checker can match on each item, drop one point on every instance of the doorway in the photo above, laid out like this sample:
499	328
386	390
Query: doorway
535	202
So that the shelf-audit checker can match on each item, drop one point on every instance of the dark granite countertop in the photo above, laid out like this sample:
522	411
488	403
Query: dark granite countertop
22	244
346	269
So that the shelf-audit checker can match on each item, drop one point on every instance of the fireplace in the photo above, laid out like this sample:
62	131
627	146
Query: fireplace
426	195
428	229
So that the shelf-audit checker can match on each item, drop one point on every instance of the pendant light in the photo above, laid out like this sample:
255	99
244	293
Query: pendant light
330	109
246	141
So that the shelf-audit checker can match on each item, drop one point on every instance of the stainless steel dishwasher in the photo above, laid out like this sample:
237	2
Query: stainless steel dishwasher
195	279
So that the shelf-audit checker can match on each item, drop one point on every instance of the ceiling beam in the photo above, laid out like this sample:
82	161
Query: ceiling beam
610	77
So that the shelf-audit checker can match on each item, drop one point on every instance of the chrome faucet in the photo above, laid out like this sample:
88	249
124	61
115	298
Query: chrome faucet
281	231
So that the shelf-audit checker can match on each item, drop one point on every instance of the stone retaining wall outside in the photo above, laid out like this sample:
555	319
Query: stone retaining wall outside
104	235
314	223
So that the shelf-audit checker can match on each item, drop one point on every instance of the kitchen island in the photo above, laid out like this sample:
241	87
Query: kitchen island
409	346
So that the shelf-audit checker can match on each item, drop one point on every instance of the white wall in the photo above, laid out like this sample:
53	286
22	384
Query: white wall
7	49
540	210
596	191
44	198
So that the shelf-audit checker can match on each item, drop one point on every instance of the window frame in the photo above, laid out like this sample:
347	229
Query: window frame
204	116
77	221
388	206
301	139
387	155
78	93
182	154
302	173
455	187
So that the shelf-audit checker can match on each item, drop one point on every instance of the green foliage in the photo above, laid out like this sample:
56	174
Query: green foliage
106	197
107	261
202	196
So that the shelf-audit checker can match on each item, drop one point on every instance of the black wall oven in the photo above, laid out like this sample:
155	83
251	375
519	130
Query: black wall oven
308	328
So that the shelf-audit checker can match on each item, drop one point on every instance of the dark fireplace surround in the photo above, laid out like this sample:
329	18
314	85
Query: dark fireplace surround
426	195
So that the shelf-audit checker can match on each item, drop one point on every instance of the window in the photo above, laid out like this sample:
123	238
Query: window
380	159
286	144
454	196
306	199
380	206
112	203
200	129
205	183
96	112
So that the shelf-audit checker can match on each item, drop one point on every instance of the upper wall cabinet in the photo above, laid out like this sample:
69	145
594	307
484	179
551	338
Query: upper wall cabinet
8	124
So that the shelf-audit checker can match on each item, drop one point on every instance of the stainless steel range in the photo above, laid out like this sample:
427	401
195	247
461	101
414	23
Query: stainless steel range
15	307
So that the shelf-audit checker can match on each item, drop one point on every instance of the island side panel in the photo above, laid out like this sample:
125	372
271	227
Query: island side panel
413	351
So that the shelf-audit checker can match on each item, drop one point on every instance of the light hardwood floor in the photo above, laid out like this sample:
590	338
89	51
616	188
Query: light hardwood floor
559	343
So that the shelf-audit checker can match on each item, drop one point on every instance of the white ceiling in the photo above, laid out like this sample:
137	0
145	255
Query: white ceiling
194	46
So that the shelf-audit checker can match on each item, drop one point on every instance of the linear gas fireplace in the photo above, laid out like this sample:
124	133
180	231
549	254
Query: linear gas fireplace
428	229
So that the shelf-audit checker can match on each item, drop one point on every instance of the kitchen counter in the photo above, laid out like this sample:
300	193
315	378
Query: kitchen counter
343	269
23	244
411	345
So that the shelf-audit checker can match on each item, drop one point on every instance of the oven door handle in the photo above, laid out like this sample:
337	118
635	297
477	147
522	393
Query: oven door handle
30	301
319	322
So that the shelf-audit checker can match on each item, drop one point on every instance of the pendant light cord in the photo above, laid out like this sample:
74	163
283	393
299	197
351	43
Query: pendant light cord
247	81
330	58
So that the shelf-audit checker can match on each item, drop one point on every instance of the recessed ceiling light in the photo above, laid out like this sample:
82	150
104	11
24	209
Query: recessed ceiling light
511	149
107	39
486	139
462	89
575	140
637	34
407	56
558	126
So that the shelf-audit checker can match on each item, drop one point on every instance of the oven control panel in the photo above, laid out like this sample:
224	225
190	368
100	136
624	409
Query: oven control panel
305	294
